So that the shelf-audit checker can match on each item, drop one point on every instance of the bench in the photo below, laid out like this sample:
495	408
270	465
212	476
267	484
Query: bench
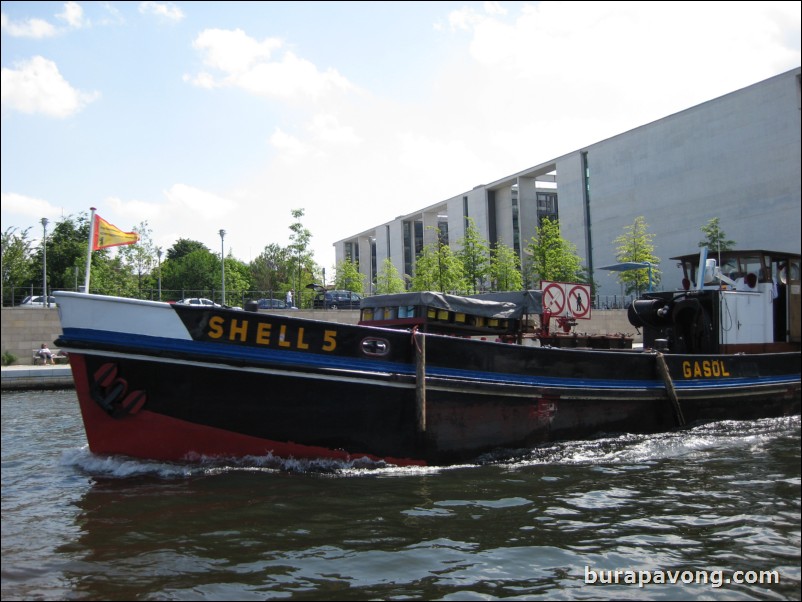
58	357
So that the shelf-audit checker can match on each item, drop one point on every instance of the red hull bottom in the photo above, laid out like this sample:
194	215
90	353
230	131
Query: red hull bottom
153	436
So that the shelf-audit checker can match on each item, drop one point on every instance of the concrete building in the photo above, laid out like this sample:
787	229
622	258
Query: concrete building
736	158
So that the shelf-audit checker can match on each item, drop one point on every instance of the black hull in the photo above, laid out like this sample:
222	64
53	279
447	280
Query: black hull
376	415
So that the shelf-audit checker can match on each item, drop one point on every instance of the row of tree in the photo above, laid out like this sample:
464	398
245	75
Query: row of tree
143	270
478	266
189	268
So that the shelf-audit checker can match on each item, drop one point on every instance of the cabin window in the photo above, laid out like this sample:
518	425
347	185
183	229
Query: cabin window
793	272
730	268
752	265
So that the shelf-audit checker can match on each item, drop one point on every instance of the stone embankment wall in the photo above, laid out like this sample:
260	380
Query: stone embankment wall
26	329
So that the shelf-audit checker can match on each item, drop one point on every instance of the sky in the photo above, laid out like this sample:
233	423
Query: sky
201	116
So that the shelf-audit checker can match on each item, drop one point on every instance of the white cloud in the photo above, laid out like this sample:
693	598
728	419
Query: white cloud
30	28
323	139
494	8
29	207
74	15
327	128
201	80
133	210
183	199
290	78
248	64
111	15
233	51
36	86
184	211
288	145
601	68
591	40
166	10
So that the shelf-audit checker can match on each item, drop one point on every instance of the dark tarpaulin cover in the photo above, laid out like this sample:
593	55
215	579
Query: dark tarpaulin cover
490	305
530	300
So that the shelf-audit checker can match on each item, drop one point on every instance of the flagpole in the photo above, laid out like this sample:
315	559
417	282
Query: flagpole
89	250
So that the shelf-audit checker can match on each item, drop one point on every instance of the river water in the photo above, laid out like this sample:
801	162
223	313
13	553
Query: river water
711	513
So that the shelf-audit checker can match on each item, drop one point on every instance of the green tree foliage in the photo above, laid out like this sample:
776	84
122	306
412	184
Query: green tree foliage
110	276
304	268
183	247
505	269
635	245
18	263
715	238
348	278
271	270
437	268
553	258
140	259
388	280
425	277
188	268
238	280
194	273
474	254
67	247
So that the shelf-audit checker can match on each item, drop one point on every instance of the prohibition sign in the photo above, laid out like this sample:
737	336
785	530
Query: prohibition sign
579	299
554	298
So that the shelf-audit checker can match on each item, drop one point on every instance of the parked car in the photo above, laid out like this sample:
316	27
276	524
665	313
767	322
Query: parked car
37	301
198	302
337	300
271	304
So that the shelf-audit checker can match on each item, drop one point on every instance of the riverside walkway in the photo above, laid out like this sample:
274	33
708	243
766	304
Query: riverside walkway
36	377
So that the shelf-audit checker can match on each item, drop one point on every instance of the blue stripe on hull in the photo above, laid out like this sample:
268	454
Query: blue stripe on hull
260	356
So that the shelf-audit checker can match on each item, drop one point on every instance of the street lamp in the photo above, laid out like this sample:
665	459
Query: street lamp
44	223
223	262
372	282
159	255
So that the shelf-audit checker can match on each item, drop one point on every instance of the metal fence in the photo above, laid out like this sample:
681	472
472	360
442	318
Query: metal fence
16	295
612	301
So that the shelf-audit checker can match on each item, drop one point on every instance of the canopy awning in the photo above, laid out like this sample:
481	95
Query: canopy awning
631	265
626	266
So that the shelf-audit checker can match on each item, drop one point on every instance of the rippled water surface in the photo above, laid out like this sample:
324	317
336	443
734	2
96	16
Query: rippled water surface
702	508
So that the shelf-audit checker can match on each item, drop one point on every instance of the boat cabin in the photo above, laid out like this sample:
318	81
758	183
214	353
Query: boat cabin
731	301
496	315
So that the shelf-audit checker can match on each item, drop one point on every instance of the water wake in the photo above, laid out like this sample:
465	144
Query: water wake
624	449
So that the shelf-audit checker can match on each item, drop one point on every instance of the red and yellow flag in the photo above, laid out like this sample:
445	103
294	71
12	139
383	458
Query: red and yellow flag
108	235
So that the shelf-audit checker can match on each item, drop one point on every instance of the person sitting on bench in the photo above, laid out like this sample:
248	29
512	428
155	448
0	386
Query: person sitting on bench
46	355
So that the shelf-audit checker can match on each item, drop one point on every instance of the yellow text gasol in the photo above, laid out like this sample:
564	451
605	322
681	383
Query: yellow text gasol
704	369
